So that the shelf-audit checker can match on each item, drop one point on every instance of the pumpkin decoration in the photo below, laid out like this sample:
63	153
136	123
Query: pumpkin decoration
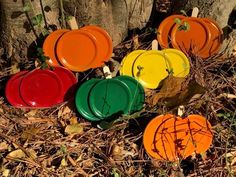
201	36
168	137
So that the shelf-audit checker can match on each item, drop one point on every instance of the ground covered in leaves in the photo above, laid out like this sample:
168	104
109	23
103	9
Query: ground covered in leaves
59	142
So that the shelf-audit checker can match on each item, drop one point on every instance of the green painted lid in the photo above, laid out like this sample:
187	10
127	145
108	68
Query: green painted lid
110	97
137	93
81	100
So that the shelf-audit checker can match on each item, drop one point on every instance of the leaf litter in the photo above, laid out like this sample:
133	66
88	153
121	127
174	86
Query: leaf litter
59	142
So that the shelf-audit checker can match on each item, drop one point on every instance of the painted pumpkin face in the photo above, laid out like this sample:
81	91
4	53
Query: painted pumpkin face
168	137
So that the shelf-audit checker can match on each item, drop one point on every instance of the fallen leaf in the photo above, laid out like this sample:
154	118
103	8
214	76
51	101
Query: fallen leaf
5	172
33	154
65	112
17	154
185	95
74	129
117	152
73	120
14	69
31	113
171	87
29	133
3	146
231	158
64	162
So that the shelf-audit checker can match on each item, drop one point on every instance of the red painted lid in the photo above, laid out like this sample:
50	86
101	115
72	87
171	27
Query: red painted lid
41	88
12	90
68	81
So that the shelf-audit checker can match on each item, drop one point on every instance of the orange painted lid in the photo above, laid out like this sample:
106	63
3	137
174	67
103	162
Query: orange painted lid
216	38
50	44
200	129
77	50
104	44
196	39
163	31
168	137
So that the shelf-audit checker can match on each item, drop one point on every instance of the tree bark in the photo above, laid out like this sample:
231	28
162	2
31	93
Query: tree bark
116	16
18	37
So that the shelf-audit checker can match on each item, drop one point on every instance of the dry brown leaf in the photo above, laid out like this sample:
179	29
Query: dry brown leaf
117	152
14	69
231	156
16	154
171	87
73	120
32	153
31	113
5	172
3	146
29	133
65	112
185	95
74	129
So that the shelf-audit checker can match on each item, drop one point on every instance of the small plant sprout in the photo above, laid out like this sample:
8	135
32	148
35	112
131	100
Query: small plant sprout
182	25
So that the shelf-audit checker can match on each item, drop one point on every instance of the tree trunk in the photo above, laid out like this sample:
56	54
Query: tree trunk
116	16
18	36
18	40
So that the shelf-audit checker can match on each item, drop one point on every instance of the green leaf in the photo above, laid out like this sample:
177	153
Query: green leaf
68	18
187	26
37	20
184	13
44	65
177	21
39	51
27	7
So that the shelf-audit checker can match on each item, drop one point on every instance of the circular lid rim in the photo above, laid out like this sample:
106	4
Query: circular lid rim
186	19
64	62
93	93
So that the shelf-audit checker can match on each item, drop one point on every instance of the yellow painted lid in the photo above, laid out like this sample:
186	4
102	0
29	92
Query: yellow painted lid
151	68
128	61
179	63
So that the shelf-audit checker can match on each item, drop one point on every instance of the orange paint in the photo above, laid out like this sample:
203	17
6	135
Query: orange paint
165	28
77	50
216	38
104	44
168	137
50	44
196	39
